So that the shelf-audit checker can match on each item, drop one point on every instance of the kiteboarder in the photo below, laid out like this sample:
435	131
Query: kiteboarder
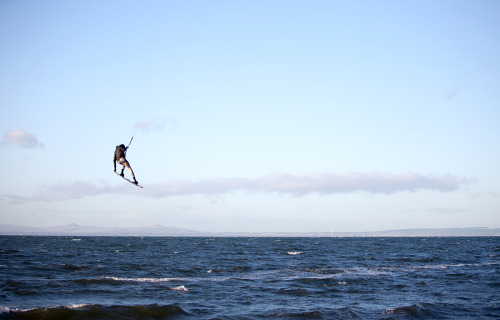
120	152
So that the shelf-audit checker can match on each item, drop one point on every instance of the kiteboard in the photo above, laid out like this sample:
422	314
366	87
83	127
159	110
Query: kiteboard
132	182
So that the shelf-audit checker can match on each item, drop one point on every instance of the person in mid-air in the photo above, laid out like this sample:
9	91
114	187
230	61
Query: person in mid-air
120	152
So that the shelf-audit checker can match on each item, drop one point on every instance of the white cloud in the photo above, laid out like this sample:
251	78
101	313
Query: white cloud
21	138
277	182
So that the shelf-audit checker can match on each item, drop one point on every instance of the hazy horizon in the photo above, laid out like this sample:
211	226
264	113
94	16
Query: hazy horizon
169	231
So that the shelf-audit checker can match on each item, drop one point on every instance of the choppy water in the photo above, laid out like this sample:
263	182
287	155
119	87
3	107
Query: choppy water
249	278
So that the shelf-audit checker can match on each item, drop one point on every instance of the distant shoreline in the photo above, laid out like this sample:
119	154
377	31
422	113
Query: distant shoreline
162	231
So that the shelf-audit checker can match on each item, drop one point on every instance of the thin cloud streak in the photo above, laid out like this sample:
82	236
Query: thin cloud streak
277	182
63	191
156	125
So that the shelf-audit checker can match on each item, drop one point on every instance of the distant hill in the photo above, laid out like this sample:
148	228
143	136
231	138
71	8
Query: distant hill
162	231
77	230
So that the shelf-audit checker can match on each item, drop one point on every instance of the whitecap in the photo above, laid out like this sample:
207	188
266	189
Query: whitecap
77	306
6	310
143	279
180	288
294	253
21	310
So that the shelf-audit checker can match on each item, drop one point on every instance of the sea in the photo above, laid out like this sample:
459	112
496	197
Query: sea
44	277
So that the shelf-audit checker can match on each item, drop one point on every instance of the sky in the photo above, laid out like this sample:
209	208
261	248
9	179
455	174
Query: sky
284	116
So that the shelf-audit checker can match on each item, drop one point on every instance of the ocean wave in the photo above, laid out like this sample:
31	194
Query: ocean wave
95	311
12	310
458	265
116	281
298	292
300	315
340	275
71	267
421	311
318	313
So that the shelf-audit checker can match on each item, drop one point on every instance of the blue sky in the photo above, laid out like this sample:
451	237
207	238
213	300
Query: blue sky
251	115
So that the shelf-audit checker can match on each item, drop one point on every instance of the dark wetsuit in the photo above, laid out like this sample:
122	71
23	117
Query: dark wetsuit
120	152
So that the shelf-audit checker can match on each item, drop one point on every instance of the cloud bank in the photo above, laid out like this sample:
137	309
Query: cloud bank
322	183
21	138
277	182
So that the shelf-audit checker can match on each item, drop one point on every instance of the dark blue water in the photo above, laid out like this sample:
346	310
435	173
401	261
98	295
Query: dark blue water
249	278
